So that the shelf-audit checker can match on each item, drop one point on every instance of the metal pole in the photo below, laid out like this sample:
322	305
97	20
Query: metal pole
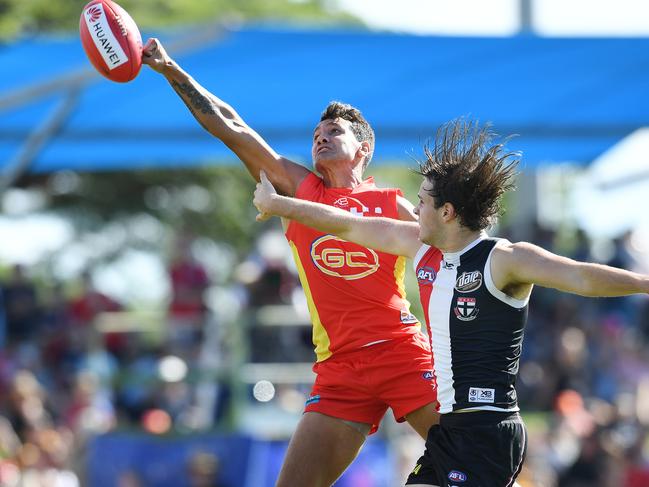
526	17
19	164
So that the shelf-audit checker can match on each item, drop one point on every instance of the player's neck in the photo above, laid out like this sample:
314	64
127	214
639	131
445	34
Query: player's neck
341	177
459	239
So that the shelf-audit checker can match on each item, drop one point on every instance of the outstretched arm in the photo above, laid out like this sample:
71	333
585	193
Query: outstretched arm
524	264
383	234
223	122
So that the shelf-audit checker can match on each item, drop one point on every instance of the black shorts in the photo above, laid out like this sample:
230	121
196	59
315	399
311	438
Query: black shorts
473	449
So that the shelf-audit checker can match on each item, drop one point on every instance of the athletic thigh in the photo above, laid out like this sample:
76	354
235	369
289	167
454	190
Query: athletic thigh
422	419
320	450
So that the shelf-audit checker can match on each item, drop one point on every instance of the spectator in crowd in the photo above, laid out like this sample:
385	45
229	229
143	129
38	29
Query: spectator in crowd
88	305
187	309
21	307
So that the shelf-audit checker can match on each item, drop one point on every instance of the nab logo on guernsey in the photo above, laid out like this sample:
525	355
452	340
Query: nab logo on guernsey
338	258
457	476
426	276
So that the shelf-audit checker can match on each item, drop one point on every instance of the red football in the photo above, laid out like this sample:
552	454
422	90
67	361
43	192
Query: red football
111	40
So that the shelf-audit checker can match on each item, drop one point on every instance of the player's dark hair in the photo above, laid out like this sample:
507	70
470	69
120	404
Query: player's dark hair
360	127
470	169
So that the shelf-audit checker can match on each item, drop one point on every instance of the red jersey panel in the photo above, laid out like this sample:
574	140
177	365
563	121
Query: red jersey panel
427	263
356	295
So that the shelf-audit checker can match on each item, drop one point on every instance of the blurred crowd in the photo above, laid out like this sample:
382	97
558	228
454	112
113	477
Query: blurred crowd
584	377
75	364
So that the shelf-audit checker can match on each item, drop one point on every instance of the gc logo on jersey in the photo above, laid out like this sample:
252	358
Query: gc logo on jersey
426	276
468	281
335	257
465	309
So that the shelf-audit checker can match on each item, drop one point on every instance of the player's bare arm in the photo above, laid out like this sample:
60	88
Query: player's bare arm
223	122
383	234
516	267
406	210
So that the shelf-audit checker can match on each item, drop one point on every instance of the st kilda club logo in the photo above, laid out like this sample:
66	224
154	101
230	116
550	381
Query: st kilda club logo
465	309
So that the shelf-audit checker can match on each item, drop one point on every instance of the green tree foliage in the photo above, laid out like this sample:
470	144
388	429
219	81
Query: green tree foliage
215	202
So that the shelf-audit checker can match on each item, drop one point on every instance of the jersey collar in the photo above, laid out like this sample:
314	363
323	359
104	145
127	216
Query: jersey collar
363	186
453	258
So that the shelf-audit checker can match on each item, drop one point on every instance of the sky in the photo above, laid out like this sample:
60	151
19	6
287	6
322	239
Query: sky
501	17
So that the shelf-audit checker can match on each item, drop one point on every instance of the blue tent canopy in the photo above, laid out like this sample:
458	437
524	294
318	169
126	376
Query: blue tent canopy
568	99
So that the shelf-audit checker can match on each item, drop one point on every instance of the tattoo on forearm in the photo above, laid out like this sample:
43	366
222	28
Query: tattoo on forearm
195	101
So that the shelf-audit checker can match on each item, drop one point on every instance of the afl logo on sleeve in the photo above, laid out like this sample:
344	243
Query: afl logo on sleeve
339	258
468	281
426	276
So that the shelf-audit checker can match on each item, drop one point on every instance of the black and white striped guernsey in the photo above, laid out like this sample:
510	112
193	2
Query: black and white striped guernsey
476	330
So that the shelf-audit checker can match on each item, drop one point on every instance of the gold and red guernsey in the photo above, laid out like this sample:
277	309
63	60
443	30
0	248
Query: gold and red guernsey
356	295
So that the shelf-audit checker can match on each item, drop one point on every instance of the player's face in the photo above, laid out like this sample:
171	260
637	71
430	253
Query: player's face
429	216
334	142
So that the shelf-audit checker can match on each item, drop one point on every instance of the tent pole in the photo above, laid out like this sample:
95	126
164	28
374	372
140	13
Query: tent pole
19	165
526	17
22	96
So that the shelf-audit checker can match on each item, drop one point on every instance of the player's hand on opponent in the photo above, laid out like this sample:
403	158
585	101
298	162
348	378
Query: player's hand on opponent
155	55
264	194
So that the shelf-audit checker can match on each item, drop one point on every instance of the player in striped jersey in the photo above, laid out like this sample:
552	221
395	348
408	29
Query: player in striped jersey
371	354
474	290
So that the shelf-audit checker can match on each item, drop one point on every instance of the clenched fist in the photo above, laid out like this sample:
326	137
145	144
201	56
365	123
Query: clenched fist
154	55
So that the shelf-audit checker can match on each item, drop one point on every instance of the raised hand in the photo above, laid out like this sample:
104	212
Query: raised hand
264	194
155	55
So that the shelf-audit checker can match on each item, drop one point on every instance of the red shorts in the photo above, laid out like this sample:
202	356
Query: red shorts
361	385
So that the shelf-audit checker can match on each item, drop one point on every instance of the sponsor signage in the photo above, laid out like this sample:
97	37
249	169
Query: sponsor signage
468	281
102	36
